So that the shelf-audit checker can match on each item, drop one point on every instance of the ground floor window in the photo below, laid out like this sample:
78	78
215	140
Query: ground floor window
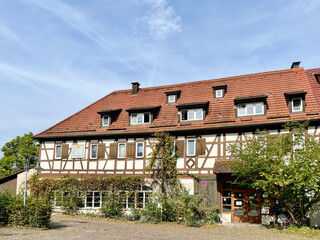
95	199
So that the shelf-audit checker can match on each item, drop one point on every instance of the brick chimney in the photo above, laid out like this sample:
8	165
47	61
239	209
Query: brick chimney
135	87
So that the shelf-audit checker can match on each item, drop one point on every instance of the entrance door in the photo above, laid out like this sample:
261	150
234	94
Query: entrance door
246	206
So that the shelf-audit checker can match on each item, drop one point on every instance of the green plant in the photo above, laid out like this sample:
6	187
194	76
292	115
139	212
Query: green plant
136	214
112	208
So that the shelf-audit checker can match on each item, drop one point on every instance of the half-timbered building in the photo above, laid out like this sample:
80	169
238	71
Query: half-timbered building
113	136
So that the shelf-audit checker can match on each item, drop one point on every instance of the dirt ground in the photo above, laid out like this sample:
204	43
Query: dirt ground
66	227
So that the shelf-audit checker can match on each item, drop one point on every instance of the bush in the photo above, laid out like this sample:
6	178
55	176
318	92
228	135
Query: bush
71	203
112	208
190	210
5	201
36	213
152	211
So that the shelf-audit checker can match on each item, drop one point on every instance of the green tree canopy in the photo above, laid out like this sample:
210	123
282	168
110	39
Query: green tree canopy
26	146
285	166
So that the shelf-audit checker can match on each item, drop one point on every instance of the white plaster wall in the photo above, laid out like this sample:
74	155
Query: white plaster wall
110	165
139	164
21	177
188	184
231	136
49	144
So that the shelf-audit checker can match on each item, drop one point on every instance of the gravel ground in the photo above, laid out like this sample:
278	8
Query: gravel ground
66	227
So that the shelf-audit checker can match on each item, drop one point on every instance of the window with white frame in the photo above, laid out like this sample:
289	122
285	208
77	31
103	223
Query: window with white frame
58	151
249	109
94	151
121	150
297	104
139	149
173	149
105	120
191	147
218	93
93	200
192	114
172	98
140	118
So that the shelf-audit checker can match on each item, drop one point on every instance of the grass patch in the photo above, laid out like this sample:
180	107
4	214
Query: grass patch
303	231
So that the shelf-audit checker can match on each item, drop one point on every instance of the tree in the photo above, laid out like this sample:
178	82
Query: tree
285	166
26	146
163	165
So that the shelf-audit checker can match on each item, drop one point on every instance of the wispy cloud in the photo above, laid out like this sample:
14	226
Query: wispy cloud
10	35
83	24
160	20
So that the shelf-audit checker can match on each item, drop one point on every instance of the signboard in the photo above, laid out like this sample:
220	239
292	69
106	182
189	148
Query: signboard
203	183
78	151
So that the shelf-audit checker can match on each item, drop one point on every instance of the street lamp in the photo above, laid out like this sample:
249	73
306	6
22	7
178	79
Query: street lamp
26	169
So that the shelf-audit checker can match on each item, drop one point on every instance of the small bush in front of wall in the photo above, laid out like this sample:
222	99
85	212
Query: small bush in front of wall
112	207
152	212
190	210
36	213
71	203
5	201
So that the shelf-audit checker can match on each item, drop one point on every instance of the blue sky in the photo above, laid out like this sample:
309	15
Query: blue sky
58	56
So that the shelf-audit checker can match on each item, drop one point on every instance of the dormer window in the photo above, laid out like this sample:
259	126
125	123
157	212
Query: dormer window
296	101
191	114
297	105
105	120
140	118
171	98
219	91
249	109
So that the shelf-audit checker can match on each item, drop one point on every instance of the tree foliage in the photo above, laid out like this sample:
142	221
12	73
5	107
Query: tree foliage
163	165
286	166
26	146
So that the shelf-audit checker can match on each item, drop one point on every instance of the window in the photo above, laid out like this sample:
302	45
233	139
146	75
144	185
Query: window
121	150
105	120
171	98
192	114
173	149
247	109
140	118
297	104
191	147
298	141
218	93
94	151
58	151
93	199
139	149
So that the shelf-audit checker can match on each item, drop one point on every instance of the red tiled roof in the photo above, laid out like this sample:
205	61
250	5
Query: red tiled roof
220	112
221	167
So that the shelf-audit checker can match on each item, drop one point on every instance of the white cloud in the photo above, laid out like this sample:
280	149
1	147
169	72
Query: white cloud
160	20
10	35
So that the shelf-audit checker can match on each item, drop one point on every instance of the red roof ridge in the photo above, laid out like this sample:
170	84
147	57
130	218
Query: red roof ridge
213	79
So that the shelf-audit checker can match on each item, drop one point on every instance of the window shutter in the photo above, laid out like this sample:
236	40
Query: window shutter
201	146
101	150
131	150
65	151
180	148
113	150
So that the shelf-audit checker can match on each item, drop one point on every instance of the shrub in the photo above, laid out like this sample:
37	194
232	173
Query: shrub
71	203
36	213
190	209
5	201
112	208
